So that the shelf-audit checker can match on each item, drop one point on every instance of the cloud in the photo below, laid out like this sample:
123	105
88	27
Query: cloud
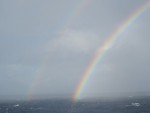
33	44
73	41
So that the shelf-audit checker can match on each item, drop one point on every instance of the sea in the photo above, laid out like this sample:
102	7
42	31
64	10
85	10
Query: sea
129	104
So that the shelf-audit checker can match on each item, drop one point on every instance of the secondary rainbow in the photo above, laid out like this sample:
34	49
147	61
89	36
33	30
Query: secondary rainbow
40	73
103	49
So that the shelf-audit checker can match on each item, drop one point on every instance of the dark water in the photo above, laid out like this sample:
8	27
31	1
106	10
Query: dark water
126	105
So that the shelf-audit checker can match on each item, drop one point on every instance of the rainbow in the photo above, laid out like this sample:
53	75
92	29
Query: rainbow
105	47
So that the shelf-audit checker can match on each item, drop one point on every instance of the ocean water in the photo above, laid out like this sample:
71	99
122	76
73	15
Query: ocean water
124	105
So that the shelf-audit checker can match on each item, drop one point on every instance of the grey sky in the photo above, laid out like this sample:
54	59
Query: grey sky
33	43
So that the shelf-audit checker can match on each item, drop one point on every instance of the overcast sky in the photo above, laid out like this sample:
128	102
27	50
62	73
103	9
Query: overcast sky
45	45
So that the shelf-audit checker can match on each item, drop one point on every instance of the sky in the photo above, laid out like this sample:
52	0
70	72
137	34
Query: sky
46	45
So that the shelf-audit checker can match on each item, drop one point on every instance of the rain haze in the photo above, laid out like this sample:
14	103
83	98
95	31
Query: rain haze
46	45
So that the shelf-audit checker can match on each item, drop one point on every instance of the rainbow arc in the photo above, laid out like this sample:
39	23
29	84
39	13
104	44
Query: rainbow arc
105	47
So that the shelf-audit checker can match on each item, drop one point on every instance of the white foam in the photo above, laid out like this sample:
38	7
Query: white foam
135	104
17	105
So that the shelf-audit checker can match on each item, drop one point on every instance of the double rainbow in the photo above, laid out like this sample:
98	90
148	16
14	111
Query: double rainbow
99	52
